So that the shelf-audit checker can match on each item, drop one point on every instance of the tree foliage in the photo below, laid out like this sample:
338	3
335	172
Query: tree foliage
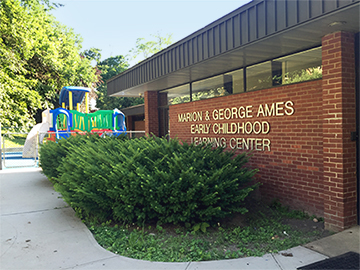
109	68
115	65
92	54
148	48
38	57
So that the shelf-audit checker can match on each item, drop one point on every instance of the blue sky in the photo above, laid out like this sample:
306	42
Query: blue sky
114	25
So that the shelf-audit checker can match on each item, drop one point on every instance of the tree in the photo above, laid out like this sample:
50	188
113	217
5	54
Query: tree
38	57
115	65
148	48
92	54
109	68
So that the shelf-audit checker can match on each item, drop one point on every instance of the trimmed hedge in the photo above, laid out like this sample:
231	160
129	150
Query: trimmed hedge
52	153
151	179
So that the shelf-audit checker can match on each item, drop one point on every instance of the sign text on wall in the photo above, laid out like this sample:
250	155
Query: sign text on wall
236	121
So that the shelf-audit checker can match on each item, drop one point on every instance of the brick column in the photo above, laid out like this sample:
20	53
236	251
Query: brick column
151	113
338	121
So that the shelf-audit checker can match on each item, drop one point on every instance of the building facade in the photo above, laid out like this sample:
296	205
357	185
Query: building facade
277	78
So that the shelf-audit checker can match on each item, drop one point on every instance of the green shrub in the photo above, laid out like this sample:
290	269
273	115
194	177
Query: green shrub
151	179
83	177
52	153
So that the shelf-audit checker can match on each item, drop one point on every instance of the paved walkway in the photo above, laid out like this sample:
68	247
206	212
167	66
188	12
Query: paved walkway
39	231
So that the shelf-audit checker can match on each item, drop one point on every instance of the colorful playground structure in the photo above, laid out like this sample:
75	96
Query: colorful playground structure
65	121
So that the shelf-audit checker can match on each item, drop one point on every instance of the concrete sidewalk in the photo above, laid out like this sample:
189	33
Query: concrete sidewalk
39	231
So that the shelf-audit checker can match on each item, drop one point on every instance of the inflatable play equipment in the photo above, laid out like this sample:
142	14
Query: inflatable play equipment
65	121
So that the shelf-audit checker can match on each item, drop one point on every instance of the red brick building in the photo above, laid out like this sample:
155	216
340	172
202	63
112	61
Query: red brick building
279	78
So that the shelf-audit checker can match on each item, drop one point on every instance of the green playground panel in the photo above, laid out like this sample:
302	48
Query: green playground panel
80	121
87	122
101	119
61	122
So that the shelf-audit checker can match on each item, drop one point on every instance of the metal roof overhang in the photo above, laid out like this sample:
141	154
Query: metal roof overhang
256	32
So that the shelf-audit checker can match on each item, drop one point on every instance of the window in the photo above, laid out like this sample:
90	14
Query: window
212	87
177	95
259	76
237	78
299	67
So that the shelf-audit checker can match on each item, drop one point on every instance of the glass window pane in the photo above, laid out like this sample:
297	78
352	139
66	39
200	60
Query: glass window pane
177	95
259	76
237	78
212	87
303	66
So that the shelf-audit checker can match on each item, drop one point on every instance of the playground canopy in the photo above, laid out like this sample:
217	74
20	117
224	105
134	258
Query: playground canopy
78	94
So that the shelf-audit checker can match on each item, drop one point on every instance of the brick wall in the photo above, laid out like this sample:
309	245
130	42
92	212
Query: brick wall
291	167
338	122
304	152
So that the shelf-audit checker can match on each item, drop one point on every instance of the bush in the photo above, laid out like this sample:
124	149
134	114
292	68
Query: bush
52	153
151	179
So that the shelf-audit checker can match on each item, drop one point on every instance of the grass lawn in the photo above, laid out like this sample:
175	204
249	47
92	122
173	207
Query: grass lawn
16	140
264	229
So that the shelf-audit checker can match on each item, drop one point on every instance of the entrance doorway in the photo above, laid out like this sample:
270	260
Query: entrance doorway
164	130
